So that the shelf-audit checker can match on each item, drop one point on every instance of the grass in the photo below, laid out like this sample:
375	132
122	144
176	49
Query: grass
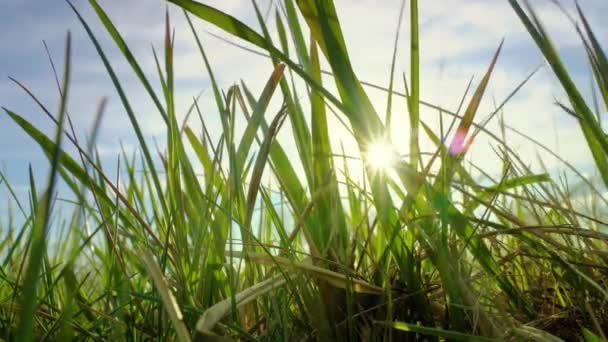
436	250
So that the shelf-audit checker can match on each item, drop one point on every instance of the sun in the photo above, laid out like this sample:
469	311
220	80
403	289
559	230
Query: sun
380	155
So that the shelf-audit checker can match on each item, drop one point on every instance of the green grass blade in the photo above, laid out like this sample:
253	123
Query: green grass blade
122	45
257	116
414	99
29	299
258	169
596	139
126	105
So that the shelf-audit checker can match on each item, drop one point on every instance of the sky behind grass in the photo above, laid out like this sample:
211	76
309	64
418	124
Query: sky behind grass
458	39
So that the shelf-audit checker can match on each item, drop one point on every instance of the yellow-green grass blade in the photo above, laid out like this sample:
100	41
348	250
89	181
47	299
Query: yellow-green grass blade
329	207
239	29
389	100
598	59
175	153
323	22
534	334
589	336
296	33
201	152
282	32
414	99
274	217
599	72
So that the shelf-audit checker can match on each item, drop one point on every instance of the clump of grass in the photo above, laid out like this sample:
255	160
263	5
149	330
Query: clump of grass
429	252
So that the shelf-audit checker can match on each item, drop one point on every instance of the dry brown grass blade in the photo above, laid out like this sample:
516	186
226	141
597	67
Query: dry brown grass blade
168	299
338	280
215	313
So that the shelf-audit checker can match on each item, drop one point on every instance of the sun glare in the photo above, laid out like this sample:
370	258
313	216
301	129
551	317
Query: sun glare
380	155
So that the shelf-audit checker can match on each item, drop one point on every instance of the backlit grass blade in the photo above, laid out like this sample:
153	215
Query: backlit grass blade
591	337
414	98
282	33
329	207
323	22
296	33
239	29
459	143
287	177
389	100
597	57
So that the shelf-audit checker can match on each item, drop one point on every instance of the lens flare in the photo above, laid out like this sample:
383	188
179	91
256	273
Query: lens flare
380	155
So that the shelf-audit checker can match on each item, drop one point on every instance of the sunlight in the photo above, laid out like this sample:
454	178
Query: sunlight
380	155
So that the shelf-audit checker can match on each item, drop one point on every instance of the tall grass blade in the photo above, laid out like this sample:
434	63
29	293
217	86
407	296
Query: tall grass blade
41	224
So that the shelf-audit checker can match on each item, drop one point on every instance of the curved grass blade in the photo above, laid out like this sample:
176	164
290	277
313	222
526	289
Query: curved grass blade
592	130
127	107
215	313
68	163
258	169
122	45
257	116
448	334
338	280
239	29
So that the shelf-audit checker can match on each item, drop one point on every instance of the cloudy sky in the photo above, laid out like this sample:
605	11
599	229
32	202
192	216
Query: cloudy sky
458	38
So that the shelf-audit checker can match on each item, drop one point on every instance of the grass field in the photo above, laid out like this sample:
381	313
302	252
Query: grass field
234	239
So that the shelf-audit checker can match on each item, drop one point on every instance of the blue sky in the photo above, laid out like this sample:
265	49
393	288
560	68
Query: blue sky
458	39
